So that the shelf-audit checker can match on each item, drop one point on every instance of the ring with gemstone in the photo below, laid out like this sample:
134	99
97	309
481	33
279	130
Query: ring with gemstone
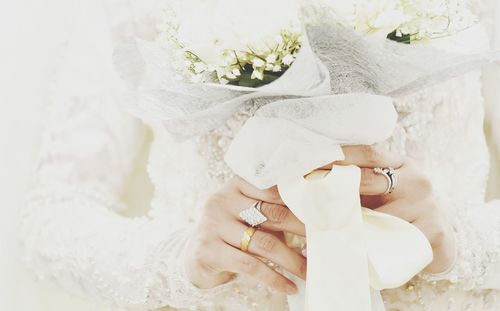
390	174
253	215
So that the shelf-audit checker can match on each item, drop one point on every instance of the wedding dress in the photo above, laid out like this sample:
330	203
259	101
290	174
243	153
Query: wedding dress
74	232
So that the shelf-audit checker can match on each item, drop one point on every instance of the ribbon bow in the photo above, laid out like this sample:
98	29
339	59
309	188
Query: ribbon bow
349	248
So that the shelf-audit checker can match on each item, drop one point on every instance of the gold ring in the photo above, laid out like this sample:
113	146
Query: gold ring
247	237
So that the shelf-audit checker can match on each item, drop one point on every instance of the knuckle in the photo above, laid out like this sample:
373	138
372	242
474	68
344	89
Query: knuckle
372	154
303	267
438	231
272	195
266	242
438	237
236	181
275	213
198	256
431	206
214	208
206	226
367	176
276	282
214	201
198	253
424	184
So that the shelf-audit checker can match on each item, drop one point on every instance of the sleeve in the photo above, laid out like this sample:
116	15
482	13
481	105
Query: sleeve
477	264
71	230
491	78
477	226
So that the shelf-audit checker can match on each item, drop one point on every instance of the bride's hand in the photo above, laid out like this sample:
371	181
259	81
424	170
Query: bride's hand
412	200
214	254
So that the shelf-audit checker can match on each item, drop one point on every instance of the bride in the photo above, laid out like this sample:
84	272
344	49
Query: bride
187	252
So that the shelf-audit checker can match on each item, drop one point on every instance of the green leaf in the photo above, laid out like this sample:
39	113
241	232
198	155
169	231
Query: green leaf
404	38
245	79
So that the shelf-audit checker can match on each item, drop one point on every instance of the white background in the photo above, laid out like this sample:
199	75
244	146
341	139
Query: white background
28	33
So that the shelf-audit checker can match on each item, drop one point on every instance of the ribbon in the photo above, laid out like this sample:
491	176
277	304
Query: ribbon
350	249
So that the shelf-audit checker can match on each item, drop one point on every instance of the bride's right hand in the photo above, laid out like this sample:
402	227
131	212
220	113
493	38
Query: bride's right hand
214	255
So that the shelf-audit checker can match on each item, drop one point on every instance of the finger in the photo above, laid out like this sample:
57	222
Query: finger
279	217
370	156
374	201
242	263
401	209
375	184
268	246
207	264
372	183
270	195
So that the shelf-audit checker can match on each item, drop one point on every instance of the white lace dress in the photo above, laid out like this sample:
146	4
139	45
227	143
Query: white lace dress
74	234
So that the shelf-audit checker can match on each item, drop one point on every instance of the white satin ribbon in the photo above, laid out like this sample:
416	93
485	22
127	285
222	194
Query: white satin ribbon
350	248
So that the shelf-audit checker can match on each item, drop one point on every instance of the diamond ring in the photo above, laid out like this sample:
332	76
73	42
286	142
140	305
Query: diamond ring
253	215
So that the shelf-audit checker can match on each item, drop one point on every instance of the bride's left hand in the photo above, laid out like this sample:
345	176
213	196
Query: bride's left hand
412	200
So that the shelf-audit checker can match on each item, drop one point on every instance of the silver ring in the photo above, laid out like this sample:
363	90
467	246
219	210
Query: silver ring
253	215
390	174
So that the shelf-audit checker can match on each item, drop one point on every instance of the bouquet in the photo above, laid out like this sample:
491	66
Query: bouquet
252	45
257	41
226	52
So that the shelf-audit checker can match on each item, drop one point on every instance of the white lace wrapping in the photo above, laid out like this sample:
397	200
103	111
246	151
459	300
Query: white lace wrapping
350	62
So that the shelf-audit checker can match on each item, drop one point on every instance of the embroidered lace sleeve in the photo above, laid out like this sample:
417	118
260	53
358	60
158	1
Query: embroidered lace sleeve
72	231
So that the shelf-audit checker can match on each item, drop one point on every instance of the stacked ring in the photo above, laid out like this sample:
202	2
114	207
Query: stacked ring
247	238
390	174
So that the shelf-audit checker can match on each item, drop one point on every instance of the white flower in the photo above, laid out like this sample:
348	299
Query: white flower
256	74
288	59
236	72
206	28
271	59
257	62
422	19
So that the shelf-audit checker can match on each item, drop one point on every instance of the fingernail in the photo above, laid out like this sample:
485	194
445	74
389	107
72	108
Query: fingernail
304	252
291	289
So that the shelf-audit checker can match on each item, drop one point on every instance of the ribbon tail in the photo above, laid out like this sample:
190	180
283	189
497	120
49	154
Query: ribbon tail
337	275
397	250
